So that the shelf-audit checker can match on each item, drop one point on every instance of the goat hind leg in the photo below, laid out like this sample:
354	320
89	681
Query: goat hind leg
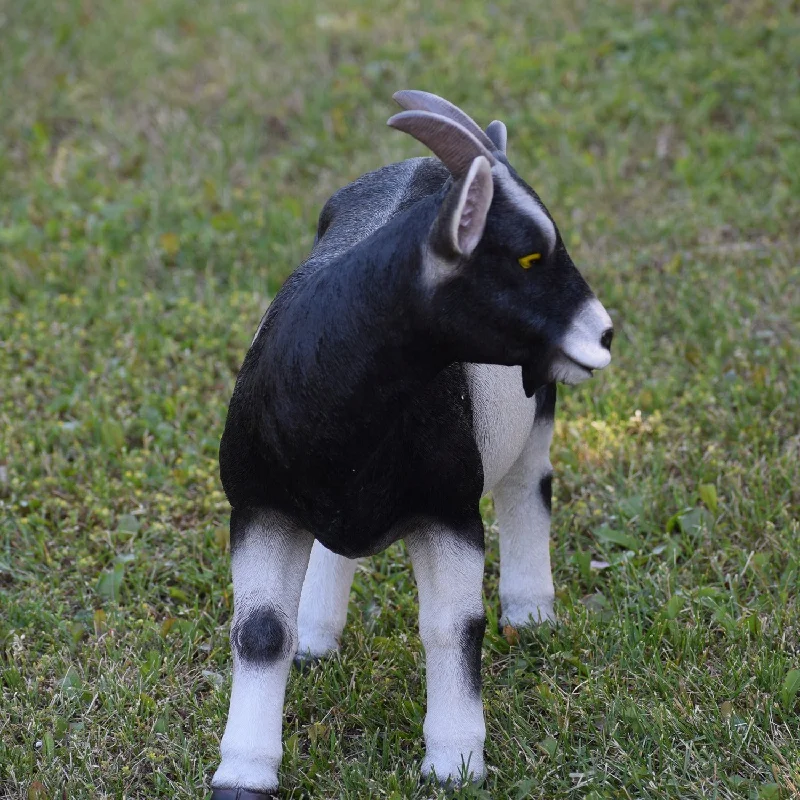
522	506
323	604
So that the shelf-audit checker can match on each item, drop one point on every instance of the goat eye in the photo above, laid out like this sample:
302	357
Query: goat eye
526	262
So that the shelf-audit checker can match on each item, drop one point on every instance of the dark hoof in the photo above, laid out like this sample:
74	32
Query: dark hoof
241	794
305	663
450	785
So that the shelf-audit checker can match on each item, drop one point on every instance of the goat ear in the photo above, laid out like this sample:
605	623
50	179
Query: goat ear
462	217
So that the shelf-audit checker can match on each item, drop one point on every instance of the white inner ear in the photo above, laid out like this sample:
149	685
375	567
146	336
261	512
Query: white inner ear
469	218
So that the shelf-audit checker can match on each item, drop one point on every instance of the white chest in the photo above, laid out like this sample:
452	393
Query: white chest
502	415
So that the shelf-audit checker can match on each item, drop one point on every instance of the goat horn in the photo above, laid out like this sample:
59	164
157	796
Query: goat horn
414	100
450	142
498	134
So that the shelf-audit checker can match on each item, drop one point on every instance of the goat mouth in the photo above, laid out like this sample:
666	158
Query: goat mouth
577	363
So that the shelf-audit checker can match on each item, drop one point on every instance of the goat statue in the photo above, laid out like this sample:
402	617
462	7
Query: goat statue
404	370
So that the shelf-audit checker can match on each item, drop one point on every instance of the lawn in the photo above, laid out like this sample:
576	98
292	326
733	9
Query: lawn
161	169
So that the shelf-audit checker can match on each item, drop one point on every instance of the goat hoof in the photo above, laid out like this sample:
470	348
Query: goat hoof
241	794
450	786
454	764
529	616
305	663
307	657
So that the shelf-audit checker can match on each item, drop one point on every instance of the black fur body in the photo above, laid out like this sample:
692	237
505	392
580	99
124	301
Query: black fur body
327	423
352	412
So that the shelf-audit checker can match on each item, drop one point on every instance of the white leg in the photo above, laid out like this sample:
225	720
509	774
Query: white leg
269	559
522	506
323	604
449	570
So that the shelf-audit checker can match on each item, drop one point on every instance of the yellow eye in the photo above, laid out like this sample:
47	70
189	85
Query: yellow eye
526	262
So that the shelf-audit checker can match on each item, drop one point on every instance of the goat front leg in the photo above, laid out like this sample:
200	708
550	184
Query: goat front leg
522	505
448	565
269	555
323	603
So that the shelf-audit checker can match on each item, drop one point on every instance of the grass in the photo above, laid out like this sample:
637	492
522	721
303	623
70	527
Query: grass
162	167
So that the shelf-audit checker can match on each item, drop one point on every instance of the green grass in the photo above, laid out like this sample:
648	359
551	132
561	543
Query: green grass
162	166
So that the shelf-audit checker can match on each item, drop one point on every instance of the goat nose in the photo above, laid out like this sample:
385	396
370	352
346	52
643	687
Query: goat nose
605	339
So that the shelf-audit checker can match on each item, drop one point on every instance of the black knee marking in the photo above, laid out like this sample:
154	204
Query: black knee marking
546	490
471	642
262	636
546	403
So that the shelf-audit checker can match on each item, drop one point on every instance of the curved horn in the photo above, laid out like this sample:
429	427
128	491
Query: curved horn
414	100
451	143
498	134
